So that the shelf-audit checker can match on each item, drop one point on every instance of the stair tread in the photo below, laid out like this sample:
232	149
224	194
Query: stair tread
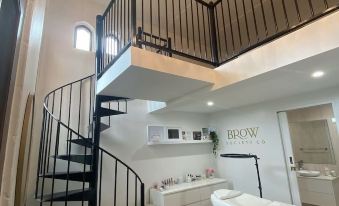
83	159
72	195
59	173
72	175
105	98
83	142
103	126
103	112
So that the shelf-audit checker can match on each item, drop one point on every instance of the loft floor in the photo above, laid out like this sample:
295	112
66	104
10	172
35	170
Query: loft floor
141	74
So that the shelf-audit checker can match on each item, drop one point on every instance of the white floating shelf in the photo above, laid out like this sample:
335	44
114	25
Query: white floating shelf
179	142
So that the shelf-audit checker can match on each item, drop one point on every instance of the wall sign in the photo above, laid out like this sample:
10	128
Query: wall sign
244	136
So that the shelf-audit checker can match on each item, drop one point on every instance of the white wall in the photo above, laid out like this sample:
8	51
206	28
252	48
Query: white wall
127	139
272	163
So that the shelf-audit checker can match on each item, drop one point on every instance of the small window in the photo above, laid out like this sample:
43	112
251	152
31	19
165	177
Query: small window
111	45
83	38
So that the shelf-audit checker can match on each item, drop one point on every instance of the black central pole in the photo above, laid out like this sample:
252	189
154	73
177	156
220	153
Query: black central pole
93	184
95	154
246	156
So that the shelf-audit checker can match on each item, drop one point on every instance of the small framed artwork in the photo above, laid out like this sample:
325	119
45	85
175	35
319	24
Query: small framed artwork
174	133
183	134
205	133
156	133
197	135
186	135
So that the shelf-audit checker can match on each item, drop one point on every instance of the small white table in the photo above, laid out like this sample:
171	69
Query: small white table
188	194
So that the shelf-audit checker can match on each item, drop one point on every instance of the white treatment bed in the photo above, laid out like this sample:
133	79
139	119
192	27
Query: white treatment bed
244	199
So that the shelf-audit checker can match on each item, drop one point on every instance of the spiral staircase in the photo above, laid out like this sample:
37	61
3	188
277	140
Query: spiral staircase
72	164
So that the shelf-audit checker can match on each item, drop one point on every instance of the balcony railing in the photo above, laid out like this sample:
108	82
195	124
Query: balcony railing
210	33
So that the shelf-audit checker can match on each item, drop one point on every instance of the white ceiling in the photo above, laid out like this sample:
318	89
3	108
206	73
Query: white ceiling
287	81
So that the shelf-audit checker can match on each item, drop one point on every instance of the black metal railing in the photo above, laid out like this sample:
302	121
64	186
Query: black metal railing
211	33
72	166
246	24
187	23
115	31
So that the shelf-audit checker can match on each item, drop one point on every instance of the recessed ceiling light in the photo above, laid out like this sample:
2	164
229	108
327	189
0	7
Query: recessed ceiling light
318	74
210	103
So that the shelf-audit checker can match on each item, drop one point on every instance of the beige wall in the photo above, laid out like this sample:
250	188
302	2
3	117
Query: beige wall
59	62
23	84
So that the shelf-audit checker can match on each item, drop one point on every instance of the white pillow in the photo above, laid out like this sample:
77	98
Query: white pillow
224	194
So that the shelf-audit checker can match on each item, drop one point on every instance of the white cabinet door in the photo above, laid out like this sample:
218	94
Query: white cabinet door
173	199
206	203
314	185
191	196
317	198
194	204
205	192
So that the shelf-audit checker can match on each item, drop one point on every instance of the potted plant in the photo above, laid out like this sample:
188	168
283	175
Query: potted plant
215	141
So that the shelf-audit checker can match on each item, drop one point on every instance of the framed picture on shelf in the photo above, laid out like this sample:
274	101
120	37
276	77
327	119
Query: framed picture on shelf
156	133
186	135
197	135
205	133
174	133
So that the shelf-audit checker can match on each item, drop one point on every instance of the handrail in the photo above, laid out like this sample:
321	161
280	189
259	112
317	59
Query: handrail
85	139
68	84
100	148
53	108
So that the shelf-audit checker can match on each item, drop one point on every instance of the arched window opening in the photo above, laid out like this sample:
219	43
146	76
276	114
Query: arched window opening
83	38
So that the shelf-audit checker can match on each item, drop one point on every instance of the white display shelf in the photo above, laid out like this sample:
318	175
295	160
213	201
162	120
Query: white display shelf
172	142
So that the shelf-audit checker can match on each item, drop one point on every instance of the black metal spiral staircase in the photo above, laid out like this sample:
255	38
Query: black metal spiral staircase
72	164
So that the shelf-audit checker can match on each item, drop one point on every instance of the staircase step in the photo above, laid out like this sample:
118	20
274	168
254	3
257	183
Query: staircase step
103	127
104	98
83	159
83	142
104	112
73	176
72	195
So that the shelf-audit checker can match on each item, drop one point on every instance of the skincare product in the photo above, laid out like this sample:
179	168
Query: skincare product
188	178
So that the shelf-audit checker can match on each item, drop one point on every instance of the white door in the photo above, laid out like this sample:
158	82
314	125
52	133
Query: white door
289	158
